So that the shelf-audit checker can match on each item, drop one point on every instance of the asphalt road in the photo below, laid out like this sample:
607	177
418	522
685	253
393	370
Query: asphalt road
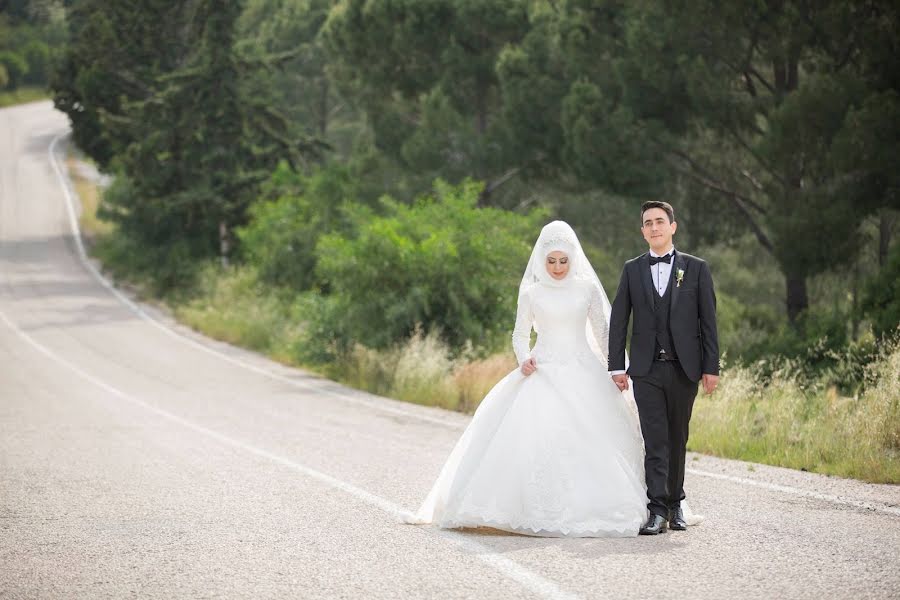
139	459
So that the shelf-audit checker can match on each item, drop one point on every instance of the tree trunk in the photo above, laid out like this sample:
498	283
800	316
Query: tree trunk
885	229
490	186
793	71
797	297
224	244
854	309
323	108
780	77
481	110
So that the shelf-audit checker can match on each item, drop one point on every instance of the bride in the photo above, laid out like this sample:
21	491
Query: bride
554	449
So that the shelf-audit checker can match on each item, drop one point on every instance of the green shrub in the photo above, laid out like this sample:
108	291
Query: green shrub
281	238
165	263
157	271
37	56
744	329
324	338
233	306
881	300
443	263
16	68
817	351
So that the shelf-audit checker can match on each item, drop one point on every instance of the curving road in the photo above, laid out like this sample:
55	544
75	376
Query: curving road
139	459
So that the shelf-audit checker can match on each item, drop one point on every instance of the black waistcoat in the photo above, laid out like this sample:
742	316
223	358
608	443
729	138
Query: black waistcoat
662	305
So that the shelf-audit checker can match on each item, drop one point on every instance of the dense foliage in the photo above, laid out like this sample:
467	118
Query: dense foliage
267	130
442	262
283	232
31	34
176	114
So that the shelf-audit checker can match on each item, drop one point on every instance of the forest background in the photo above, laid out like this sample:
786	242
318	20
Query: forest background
354	186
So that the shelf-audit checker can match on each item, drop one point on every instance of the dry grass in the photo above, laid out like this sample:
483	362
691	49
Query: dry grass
89	194
422	371
419	371
232	307
475	379
785	424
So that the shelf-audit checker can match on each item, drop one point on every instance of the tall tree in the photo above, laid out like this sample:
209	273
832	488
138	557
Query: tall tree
115	52
424	75
289	30
749	109
202	141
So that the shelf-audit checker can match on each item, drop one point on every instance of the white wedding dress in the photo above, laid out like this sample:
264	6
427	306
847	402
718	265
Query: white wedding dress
558	453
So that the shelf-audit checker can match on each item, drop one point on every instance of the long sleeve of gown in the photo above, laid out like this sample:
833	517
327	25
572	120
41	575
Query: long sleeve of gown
521	337
597	319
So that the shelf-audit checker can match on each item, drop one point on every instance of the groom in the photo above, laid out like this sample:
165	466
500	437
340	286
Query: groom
674	347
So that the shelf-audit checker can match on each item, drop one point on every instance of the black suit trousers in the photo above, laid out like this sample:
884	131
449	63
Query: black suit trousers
665	399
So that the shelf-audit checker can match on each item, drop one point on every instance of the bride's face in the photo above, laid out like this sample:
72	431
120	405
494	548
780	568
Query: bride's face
557	264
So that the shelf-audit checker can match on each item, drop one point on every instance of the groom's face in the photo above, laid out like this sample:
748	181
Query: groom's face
657	229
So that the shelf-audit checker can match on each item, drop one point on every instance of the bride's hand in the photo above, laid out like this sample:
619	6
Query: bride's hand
529	367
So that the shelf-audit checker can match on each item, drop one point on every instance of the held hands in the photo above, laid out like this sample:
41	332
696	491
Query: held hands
710	382
621	382
529	367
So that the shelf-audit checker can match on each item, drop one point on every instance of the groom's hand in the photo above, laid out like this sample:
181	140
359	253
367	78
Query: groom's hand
710	382
621	382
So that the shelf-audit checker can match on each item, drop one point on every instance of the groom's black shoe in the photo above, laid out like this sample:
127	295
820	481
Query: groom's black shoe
655	524
676	520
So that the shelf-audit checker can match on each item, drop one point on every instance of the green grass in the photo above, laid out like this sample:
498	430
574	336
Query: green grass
23	95
230	305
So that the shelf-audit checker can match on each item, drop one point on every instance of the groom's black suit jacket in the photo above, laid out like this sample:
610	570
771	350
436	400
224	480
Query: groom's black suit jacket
692	317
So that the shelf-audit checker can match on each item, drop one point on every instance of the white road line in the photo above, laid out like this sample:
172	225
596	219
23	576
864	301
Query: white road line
76	233
509	568
876	506
82	255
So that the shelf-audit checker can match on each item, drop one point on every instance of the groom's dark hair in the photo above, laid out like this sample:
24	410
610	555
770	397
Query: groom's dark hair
657	204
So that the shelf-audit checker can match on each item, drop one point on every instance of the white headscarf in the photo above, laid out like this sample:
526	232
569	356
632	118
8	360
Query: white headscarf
559	236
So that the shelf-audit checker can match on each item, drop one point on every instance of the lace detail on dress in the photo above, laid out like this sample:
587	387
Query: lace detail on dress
521	336
598	322
552	480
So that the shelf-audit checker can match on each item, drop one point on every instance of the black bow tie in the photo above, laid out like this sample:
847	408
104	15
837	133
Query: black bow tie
658	259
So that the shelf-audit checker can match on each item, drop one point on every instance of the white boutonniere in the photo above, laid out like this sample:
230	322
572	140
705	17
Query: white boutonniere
679	276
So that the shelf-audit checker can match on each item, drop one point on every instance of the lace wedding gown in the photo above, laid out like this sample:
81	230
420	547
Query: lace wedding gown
558	453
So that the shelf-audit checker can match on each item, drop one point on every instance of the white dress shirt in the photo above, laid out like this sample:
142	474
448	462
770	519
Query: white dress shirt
660	272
